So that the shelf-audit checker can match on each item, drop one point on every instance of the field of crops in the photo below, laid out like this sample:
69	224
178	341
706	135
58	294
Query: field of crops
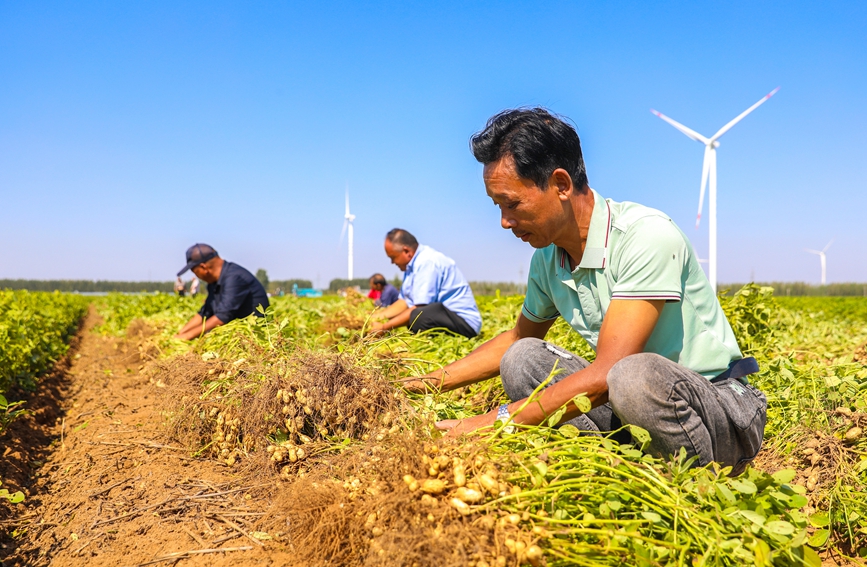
304	395
365	478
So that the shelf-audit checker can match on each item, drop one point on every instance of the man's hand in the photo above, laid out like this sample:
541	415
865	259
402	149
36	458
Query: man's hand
375	328
432	382
196	327
457	427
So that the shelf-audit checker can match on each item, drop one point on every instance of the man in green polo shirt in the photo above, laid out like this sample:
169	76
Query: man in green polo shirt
627	280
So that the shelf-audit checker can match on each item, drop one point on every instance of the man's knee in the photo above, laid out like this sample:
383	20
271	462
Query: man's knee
513	366
635	379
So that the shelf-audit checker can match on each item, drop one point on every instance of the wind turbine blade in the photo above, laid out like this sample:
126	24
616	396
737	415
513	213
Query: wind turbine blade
813	251
683	129
347	201
825	249
740	116
343	232
705	169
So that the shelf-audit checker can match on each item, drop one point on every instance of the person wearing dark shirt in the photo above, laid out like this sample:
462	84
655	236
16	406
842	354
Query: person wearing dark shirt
388	294
233	292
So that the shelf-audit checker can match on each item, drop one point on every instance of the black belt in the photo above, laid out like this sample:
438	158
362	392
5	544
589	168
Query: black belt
739	370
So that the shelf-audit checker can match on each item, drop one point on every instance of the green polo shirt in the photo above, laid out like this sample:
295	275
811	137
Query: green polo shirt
635	252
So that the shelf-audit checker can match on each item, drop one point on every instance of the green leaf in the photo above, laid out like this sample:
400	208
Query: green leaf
541	467
652	516
798	501
639	434
569	431
582	402
779	527
743	486
555	417
762	552
811	558
754	517
725	494
819	538
820	520
785	476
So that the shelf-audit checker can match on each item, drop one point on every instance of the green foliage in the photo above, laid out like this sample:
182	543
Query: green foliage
794	289
495	288
34	331
749	312
87	286
118	310
339	283
286	285
9	411
610	504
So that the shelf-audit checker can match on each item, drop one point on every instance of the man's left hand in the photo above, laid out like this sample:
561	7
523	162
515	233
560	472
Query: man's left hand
457	427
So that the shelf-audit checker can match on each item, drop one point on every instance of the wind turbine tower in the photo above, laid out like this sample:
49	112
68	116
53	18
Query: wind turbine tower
708	176
348	230
821	254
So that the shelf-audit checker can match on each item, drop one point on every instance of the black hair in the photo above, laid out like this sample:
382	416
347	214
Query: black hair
378	279
538	141
400	237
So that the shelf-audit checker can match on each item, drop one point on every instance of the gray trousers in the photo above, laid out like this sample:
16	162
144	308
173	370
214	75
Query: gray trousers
723	421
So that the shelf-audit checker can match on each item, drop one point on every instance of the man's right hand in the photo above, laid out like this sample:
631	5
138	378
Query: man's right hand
422	384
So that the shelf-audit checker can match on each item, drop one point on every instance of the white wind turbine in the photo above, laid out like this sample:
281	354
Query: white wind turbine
708	172
821	255
347	223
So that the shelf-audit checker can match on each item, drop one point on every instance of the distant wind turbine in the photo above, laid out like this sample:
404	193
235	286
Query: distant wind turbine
821	255
708	172
347	224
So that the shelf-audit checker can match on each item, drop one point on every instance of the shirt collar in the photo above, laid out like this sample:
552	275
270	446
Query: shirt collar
596	250
411	265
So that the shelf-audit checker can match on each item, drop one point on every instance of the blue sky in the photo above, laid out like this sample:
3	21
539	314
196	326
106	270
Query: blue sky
130	130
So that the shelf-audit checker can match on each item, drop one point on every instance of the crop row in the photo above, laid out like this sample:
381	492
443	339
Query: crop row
35	328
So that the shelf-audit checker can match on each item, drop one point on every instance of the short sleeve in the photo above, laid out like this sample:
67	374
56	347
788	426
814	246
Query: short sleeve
652	261
425	284
538	305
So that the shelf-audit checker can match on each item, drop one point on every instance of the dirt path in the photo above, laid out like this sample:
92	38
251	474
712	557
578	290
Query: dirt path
106	488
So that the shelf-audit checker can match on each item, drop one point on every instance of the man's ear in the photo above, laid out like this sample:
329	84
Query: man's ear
561	182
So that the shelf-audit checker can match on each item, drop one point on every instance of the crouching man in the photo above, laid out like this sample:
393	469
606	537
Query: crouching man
233	292
627	280
434	295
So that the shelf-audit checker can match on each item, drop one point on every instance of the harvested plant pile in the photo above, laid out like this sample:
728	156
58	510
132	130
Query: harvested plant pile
282	408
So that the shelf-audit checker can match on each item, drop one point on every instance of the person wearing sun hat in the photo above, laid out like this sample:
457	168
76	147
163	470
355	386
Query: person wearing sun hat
233	292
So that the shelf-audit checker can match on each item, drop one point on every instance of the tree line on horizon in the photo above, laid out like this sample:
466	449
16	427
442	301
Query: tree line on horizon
479	288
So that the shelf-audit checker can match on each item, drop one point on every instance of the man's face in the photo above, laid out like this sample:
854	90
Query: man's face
533	215
400	255
376	286
204	273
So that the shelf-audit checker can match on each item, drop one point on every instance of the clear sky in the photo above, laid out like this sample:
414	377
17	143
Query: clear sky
130	130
